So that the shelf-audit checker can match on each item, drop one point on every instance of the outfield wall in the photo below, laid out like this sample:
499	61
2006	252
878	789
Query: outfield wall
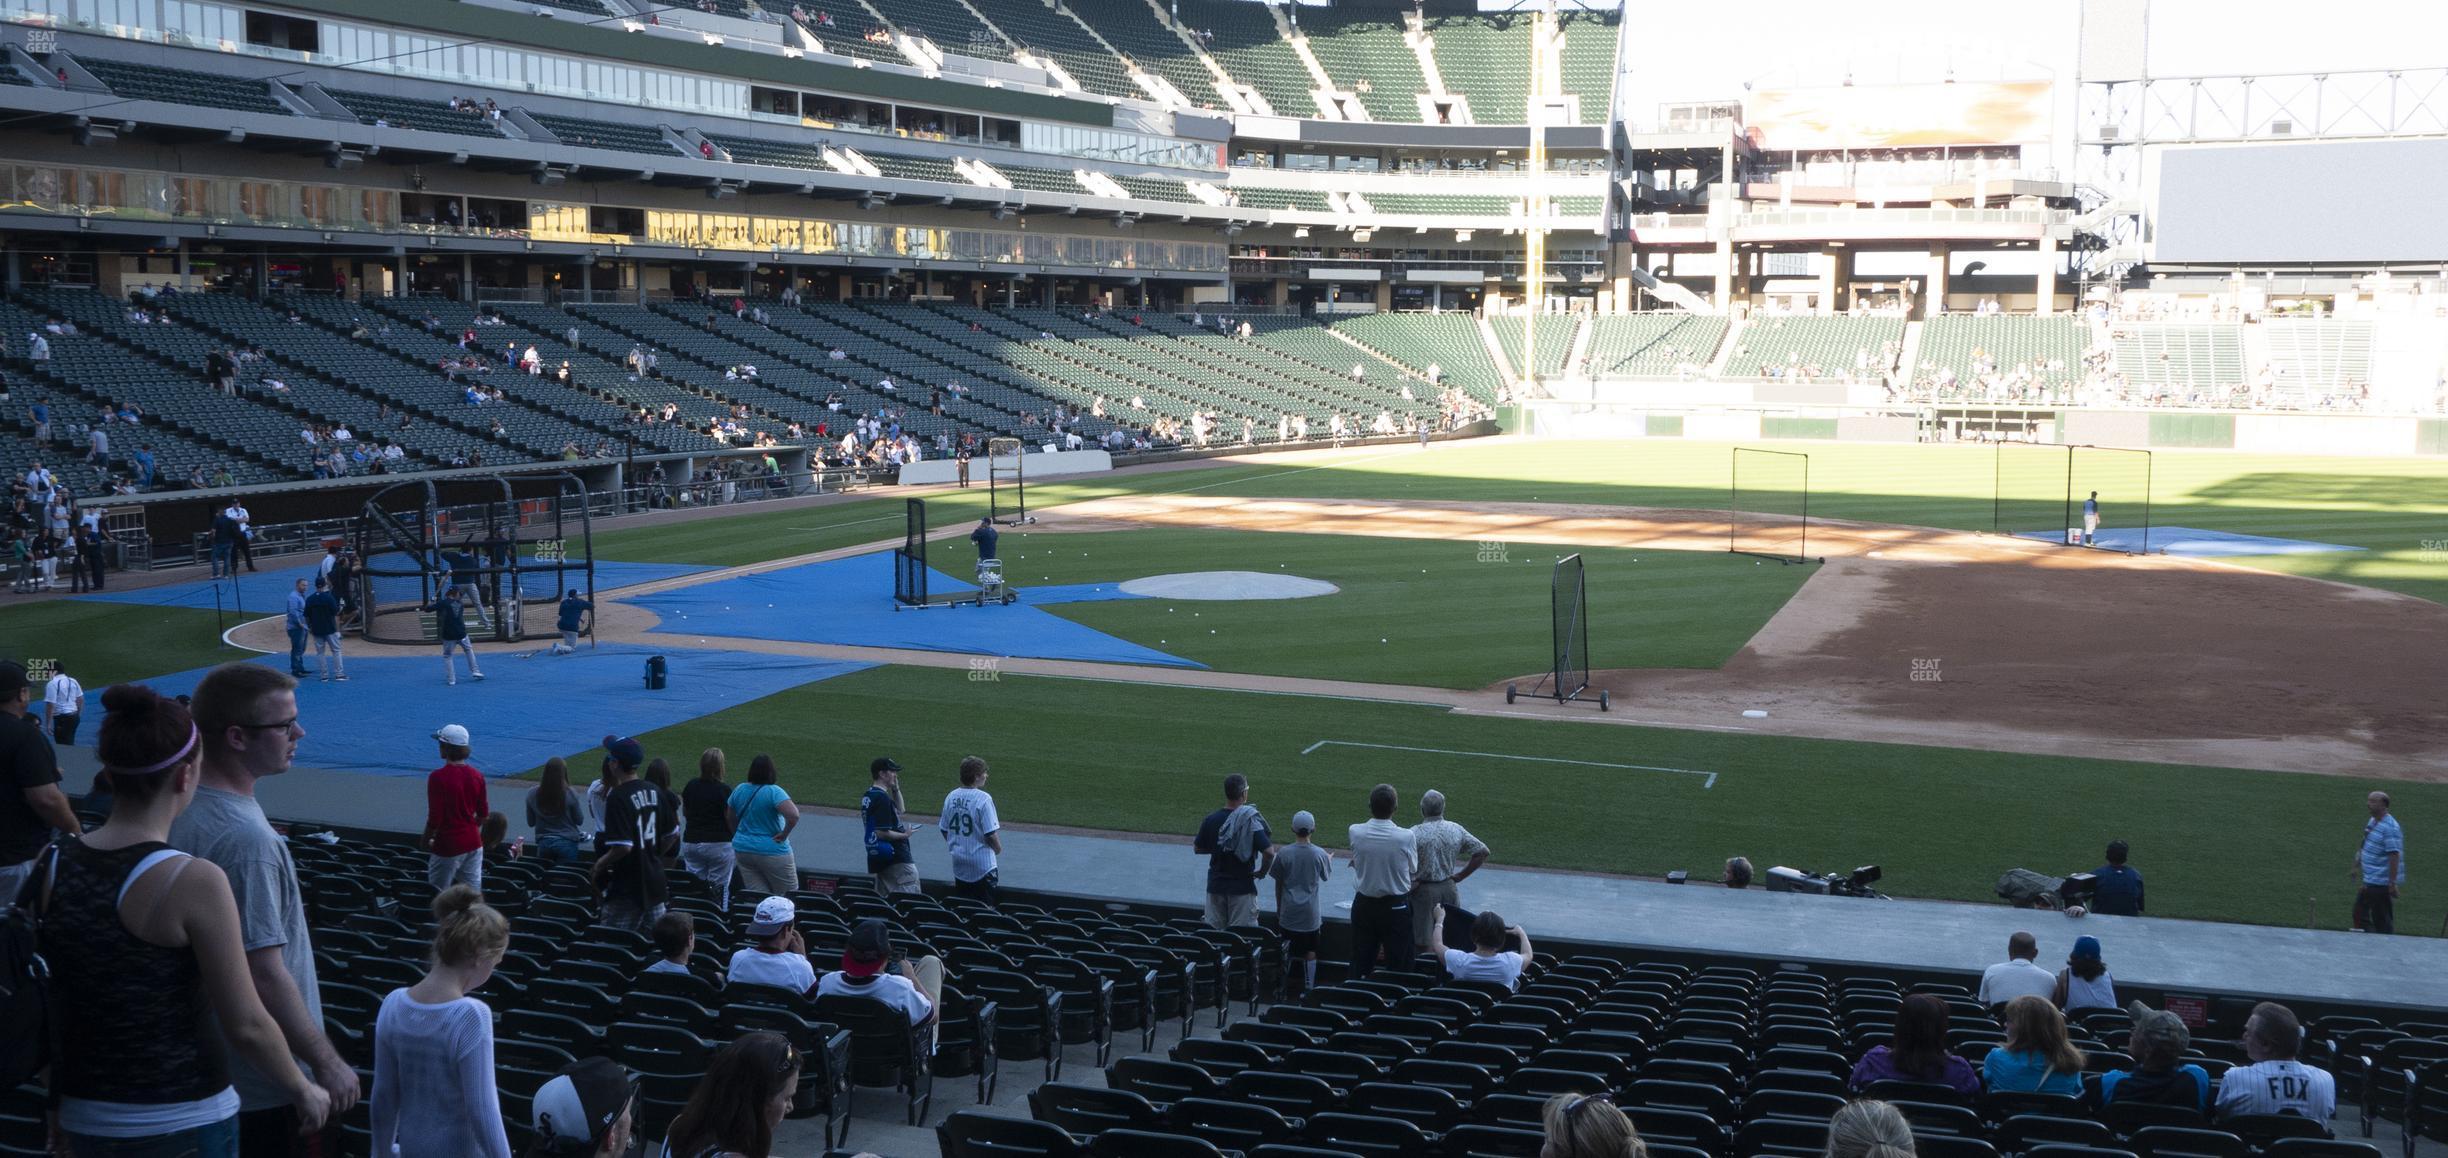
2343	434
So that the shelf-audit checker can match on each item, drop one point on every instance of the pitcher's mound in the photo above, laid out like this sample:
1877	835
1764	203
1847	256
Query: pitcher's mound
1228	585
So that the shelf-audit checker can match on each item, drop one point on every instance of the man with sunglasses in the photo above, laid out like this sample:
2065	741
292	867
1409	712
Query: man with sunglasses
248	717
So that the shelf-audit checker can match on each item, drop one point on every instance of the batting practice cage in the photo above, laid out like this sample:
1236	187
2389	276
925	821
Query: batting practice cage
2041	491
507	560
1769	513
1568	677
1007	481
910	559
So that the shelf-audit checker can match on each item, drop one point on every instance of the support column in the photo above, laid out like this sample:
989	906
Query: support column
1723	289
399	283
586	279
467	277
1385	296
2047	277
185	276
15	280
1011	293
1934	284
1833	280
1281	295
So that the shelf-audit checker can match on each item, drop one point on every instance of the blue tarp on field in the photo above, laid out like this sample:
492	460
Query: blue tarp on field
531	706
849	602
2194	542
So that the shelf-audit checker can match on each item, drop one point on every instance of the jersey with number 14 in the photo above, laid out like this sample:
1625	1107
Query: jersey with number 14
633	816
968	819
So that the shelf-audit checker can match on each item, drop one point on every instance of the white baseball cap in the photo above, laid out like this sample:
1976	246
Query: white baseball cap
452	734
773	914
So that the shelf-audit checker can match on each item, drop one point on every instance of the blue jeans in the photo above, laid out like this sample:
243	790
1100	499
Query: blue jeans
221	559
219	1140
297	650
559	849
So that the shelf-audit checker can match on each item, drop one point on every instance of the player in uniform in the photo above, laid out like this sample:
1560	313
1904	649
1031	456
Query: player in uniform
2091	520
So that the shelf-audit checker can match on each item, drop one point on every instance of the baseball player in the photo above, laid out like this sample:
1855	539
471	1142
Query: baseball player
2091	520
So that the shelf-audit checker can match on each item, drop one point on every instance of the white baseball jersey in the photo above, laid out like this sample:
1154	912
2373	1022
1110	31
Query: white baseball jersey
2278	1087
968	819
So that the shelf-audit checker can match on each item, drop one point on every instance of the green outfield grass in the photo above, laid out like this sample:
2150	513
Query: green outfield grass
108	643
1441	614
2390	506
1944	823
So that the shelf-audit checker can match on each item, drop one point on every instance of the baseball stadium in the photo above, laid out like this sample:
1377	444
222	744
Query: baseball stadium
1929	470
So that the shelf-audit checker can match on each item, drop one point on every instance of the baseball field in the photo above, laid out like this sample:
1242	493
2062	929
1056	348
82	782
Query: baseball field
1945	703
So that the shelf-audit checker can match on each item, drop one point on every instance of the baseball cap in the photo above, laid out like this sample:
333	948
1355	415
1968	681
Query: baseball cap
773	914
12	677
452	734
2086	948
2158	1025
870	944
583	1101
629	752
883	764
1303	822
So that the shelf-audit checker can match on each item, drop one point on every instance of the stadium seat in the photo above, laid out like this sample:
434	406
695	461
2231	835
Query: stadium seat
975	1134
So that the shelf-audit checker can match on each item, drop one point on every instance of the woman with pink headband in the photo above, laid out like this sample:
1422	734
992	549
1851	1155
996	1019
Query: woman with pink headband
142	940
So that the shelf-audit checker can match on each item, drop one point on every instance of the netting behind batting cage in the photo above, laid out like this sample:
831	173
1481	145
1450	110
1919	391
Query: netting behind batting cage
506	560
2030	498
1569	610
2121	479
1007	480
910	558
1768	514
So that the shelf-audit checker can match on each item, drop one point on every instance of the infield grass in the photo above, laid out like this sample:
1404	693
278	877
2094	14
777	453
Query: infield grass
1410	611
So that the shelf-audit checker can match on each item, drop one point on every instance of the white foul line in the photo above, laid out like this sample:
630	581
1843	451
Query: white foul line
1710	782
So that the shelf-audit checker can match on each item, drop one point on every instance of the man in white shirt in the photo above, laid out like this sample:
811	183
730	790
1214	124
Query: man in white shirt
63	703
973	834
2017	975
1385	861
1487	959
913	987
2276	1083
245	551
778	957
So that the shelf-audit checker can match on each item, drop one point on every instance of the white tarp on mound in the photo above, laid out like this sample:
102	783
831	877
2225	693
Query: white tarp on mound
1228	585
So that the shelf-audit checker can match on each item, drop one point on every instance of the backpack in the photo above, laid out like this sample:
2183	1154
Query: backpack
25	982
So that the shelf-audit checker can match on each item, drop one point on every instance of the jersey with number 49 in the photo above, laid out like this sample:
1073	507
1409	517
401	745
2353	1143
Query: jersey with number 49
968	819
633	816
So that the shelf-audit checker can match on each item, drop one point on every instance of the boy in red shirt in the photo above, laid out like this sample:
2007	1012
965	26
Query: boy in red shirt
455	809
